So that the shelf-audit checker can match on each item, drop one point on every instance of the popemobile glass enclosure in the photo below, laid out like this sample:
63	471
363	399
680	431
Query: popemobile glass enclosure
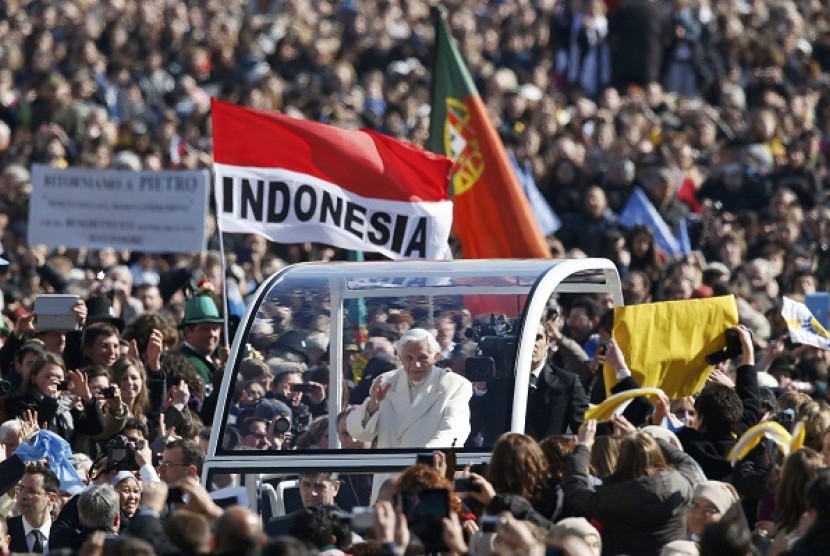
499	302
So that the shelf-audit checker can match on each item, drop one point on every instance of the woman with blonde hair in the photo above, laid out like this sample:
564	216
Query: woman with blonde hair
816	419
641	505
129	374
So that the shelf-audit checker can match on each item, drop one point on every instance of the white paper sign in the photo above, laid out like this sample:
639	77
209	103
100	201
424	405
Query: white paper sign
160	212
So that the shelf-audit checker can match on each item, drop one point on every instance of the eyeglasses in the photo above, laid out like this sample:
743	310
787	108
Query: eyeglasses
29	491
171	464
708	511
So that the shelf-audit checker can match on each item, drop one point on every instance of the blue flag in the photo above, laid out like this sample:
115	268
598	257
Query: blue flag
819	305
683	237
639	211
48	445
547	219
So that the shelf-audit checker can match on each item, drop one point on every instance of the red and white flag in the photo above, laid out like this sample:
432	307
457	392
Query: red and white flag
293	181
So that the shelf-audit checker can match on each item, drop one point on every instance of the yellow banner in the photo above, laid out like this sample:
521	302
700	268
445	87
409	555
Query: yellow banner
665	344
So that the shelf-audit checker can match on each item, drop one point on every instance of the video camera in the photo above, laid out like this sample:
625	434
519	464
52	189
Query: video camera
732	349
121	453
496	354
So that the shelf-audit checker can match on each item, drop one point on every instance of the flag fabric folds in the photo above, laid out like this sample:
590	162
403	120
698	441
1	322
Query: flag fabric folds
803	327
293	181
492	216
549	222
639	210
665	344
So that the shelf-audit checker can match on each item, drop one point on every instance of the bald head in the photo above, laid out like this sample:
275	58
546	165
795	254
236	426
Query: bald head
238	530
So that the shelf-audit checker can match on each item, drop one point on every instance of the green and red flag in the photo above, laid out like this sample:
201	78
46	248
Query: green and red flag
491	215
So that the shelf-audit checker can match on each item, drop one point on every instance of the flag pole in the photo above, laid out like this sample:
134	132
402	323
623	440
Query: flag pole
225	305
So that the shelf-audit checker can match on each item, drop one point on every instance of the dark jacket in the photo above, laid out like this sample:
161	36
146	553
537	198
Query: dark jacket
638	516
61	415
710	450
557	402
637	37
147	525
66	527
815	542
17	535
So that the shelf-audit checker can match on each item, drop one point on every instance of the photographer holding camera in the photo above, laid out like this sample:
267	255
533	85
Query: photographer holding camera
112	407
723	412
289	388
51	390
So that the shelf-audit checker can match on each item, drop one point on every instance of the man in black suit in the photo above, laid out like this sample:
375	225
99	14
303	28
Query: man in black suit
556	399
37	492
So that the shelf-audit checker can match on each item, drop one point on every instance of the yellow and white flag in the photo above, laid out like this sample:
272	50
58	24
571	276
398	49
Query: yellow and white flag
804	328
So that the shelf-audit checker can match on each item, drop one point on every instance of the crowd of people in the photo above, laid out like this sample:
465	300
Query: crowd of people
717	111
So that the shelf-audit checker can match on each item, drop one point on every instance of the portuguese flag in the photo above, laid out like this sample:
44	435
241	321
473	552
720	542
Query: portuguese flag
491	215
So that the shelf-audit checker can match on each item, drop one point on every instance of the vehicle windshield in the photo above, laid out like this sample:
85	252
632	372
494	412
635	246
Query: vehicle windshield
291	353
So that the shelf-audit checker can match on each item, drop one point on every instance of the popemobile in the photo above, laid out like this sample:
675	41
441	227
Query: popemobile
506	300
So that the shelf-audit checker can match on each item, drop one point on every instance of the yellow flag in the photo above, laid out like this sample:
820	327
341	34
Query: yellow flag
616	404
665	344
753	436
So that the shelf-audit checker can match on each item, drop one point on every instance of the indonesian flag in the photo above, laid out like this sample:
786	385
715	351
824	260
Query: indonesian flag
294	181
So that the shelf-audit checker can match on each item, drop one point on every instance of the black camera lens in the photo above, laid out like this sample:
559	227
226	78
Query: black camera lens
282	425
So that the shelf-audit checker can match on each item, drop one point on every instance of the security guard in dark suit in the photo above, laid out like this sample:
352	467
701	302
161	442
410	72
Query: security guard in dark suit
556	401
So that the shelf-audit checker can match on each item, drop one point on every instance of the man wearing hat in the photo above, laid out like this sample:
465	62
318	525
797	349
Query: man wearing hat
201	327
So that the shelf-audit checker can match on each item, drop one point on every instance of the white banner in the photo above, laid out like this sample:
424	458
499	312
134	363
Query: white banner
290	207
159	212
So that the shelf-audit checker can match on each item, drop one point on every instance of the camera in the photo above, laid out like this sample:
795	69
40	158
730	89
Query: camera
732	349
121	453
175	495
282	424
785	418
425	459
63	385
362	518
465	484
302	387
496	355
424	511
108	393
488	523
6	387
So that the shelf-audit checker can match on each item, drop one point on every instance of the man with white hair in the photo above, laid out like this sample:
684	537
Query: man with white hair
417	405
119	284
